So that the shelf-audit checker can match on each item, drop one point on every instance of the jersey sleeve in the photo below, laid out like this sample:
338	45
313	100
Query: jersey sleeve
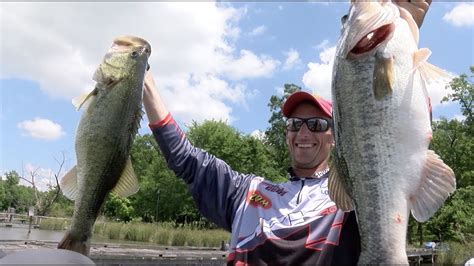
216	189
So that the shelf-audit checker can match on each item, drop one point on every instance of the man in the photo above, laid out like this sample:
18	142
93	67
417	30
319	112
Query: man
289	223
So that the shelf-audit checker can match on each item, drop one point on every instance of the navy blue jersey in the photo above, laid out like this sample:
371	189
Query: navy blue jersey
291	223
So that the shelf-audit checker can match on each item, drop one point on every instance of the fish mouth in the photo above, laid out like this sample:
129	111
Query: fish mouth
373	39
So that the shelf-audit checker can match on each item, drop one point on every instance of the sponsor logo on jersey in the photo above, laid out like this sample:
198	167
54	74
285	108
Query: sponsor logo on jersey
257	199
274	188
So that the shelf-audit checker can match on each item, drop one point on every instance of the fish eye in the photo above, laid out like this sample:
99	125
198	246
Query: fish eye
344	19
134	54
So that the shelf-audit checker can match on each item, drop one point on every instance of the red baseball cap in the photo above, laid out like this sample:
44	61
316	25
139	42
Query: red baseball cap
300	96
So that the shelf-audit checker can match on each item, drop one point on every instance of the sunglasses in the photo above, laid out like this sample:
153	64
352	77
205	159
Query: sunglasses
314	124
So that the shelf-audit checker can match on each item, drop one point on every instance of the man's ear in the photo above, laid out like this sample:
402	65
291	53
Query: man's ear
286	138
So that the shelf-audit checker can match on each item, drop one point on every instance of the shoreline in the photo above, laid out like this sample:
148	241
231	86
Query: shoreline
106	253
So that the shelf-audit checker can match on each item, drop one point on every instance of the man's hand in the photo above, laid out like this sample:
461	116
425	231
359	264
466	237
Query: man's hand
417	8
154	106
149	82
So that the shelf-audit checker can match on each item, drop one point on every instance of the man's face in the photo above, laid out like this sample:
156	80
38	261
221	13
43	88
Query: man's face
308	149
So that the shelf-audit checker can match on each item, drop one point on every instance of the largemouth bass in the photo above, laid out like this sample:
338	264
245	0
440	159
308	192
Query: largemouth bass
104	138
382	166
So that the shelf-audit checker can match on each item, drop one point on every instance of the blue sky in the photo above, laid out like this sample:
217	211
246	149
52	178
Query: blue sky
210	61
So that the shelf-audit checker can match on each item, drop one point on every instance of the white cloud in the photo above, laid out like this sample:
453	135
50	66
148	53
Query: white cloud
280	91
322	45
319	75
292	59
459	117
40	128
248	65
260	135
461	15
53	44
201	97
437	90
258	30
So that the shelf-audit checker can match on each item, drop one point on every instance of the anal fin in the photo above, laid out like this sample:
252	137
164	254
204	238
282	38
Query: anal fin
68	184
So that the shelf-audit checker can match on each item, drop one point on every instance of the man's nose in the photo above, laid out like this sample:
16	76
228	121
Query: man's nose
304	129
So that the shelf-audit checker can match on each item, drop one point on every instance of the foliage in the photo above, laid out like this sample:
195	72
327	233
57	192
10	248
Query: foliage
243	153
463	92
14	195
455	145
162	196
455	221
12	178
457	254
159	233
118	208
275	133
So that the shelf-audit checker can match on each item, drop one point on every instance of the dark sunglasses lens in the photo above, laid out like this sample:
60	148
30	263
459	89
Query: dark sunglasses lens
314	124
293	124
317	124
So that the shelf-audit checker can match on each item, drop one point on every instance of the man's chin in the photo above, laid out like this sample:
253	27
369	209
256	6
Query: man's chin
307	166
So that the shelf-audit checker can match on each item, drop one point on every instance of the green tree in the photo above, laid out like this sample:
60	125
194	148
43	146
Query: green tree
453	143
15	195
245	154
455	220
463	93
12	178
3	196
162	196
118	208
275	133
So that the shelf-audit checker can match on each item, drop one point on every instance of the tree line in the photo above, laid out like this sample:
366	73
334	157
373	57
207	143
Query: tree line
163	197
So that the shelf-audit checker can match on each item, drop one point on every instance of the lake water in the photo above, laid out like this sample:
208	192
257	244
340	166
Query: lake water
20	232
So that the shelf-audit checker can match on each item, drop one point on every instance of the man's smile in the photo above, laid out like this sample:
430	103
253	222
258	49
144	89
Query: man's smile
305	145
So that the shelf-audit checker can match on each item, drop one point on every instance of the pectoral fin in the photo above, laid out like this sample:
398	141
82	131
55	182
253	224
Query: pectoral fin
437	183
420	57
337	188
383	79
128	182
84	99
68	184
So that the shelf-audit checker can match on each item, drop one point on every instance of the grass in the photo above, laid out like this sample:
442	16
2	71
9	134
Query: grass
166	234
457	254
54	224
162	234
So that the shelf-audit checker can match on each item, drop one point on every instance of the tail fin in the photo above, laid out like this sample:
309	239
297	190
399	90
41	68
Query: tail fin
70	243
